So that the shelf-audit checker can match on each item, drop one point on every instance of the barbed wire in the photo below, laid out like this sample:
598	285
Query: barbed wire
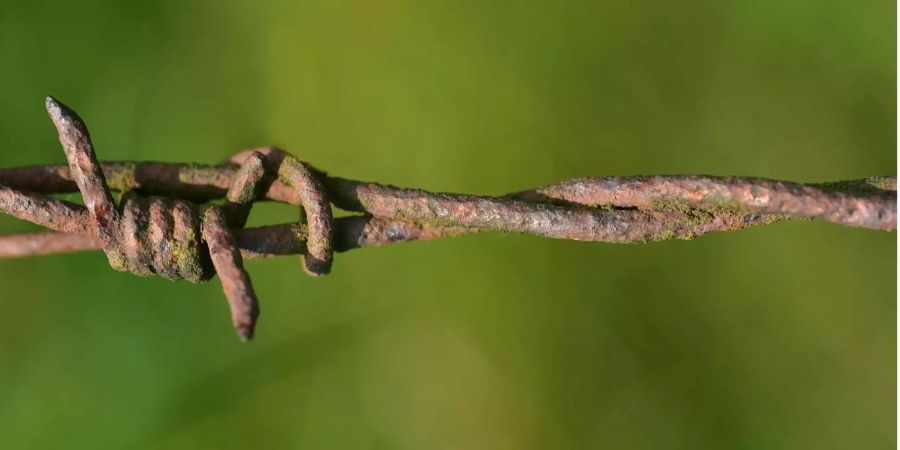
165	224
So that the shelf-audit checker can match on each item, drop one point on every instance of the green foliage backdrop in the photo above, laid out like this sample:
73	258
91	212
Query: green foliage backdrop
777	337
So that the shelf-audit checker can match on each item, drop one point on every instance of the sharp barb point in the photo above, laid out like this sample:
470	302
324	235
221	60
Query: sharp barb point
53	107
245	334
634	209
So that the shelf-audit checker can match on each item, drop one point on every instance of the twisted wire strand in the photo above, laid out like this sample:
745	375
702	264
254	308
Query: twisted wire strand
609	209
165	234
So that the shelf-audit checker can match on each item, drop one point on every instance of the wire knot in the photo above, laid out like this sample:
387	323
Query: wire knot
160	236
179	240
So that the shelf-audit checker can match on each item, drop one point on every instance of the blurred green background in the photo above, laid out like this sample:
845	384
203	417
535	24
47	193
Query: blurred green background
776	337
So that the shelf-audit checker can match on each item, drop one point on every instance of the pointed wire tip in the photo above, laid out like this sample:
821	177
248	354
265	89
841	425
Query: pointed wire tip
53	106
58	108
63	116
245	333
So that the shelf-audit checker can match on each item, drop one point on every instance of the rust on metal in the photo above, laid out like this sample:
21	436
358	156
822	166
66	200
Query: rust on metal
877	210
76	142
162	227
228	263
169	237
244	190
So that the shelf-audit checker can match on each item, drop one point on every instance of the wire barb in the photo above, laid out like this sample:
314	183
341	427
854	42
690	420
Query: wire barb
157	229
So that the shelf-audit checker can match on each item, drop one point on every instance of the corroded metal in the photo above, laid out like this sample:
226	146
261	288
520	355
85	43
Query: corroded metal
228	263
161	225
168	237
869	202
872	203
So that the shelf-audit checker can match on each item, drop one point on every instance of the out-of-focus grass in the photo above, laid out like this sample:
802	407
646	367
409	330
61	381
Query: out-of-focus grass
778	337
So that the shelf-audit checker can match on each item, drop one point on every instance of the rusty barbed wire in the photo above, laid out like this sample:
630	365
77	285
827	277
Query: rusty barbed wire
164	224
